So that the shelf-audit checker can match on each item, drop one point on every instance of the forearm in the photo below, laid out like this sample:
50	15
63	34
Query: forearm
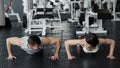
58	45
9	49
67	47
112	46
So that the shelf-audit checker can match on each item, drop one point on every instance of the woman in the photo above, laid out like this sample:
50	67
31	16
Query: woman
90	44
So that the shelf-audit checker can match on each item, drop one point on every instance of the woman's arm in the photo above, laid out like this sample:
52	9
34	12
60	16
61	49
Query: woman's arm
68	43
111	42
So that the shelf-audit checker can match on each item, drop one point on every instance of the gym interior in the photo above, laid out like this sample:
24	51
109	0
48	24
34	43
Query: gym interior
64	19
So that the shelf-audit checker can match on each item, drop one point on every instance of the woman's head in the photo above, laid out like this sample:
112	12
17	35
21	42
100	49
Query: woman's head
34	42
92	39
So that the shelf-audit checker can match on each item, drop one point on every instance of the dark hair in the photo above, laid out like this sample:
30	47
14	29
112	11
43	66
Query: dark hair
92	39
34	39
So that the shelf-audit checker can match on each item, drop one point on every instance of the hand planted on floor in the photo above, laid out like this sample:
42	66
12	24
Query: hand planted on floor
54	58
111	57
71	57
11	58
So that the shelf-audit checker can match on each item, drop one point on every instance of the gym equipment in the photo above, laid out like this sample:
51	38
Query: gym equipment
12	13
72	7
115	13
104	14
112	7
24	21
40	17
6	9
7	23
89	25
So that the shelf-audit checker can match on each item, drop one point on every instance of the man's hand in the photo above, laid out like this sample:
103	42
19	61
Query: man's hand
11	58
111	57
71	57
54	58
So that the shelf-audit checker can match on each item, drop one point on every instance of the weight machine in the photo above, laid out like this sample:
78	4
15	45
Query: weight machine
96	27
12	13
40	16
111	5
114	11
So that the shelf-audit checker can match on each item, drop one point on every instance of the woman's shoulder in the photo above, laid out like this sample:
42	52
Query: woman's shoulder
103	40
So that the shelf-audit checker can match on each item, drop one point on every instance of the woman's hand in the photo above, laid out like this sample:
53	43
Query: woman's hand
111	57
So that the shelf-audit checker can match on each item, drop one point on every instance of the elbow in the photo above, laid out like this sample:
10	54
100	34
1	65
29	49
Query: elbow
7	40
66	43
113	42
58	41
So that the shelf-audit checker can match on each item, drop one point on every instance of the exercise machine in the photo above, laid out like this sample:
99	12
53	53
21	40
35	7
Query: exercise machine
96	27
11	12
40	16
112	6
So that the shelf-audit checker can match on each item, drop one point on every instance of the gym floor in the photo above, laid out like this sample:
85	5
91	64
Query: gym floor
41	60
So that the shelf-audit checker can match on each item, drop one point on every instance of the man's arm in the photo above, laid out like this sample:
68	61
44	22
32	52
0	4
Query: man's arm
57	43
9	43
111	42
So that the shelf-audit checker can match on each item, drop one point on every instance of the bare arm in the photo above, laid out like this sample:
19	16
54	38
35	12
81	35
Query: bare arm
68	43
111	42
9	43
57	43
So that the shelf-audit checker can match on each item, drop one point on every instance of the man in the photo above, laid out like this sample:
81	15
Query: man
32	44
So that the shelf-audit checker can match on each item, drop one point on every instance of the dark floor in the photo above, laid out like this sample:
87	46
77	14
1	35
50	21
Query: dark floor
83	60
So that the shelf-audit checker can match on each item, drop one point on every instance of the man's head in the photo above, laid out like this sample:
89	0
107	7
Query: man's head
34	42
92	39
